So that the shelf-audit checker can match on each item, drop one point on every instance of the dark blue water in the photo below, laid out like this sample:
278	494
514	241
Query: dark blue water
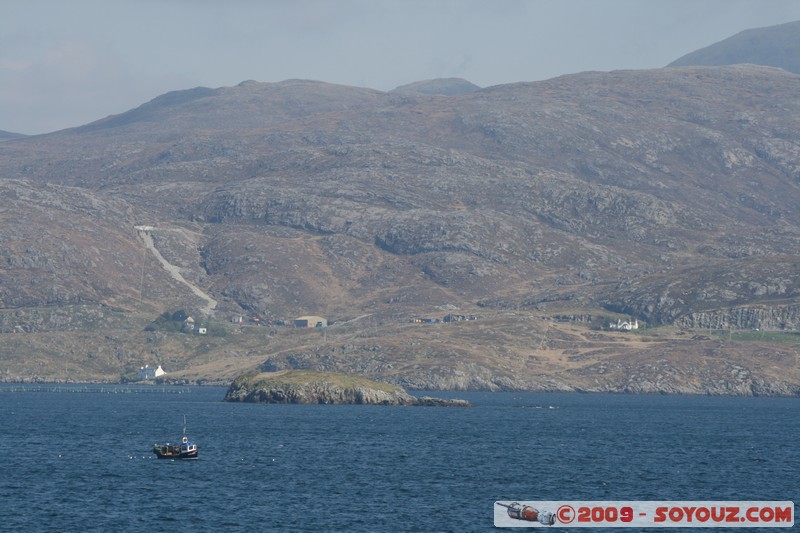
83	461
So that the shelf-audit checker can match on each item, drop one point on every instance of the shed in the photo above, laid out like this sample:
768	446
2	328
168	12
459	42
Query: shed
310	322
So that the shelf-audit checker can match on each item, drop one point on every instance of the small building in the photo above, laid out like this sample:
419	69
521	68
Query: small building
626	325
202	331
458	318
310	322
188	324
148	372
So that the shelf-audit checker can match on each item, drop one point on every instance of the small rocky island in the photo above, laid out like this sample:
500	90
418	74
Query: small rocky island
305	386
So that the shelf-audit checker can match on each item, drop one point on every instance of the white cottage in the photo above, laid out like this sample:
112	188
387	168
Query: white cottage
148	372
627	325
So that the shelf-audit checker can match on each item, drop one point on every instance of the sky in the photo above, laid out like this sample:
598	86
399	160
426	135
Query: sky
65	63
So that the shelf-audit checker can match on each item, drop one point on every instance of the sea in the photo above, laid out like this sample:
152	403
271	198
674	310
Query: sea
79	458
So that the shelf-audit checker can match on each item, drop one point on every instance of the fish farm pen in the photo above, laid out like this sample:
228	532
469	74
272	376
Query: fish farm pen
97	389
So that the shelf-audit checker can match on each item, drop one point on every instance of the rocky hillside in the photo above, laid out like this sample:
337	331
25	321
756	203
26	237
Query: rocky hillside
670	196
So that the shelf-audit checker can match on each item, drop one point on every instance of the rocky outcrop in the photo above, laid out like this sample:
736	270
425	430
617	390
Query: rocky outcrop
754	292
771	318
300	386
721	370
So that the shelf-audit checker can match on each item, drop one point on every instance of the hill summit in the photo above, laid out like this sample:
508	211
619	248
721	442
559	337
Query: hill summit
442	86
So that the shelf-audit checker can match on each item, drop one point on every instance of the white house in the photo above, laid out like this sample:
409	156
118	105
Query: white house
625	326
148	372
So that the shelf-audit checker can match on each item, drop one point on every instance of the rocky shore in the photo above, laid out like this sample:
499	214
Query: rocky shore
309	387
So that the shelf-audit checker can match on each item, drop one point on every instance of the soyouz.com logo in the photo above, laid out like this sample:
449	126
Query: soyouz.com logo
575	514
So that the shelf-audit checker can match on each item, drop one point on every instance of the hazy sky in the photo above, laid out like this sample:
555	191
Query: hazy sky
65	63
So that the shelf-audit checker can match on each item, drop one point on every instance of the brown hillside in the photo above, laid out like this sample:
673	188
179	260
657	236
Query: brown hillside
670	196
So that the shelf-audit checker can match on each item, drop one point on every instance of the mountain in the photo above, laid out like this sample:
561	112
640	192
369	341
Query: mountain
529	216
9	135
773	46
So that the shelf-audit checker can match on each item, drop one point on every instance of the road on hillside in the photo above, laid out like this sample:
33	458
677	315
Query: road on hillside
175	272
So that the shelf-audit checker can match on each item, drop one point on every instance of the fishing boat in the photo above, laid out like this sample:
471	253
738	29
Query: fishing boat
185	450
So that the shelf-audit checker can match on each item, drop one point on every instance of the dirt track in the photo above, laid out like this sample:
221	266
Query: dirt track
176	274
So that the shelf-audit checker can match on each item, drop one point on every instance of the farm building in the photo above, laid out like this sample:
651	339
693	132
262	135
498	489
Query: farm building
310	322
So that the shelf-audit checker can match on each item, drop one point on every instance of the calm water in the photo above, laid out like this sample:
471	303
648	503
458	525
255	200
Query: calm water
83	461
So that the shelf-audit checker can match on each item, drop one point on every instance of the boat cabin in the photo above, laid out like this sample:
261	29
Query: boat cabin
187	447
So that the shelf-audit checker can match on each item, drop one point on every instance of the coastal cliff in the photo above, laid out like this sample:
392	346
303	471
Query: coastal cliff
302	386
